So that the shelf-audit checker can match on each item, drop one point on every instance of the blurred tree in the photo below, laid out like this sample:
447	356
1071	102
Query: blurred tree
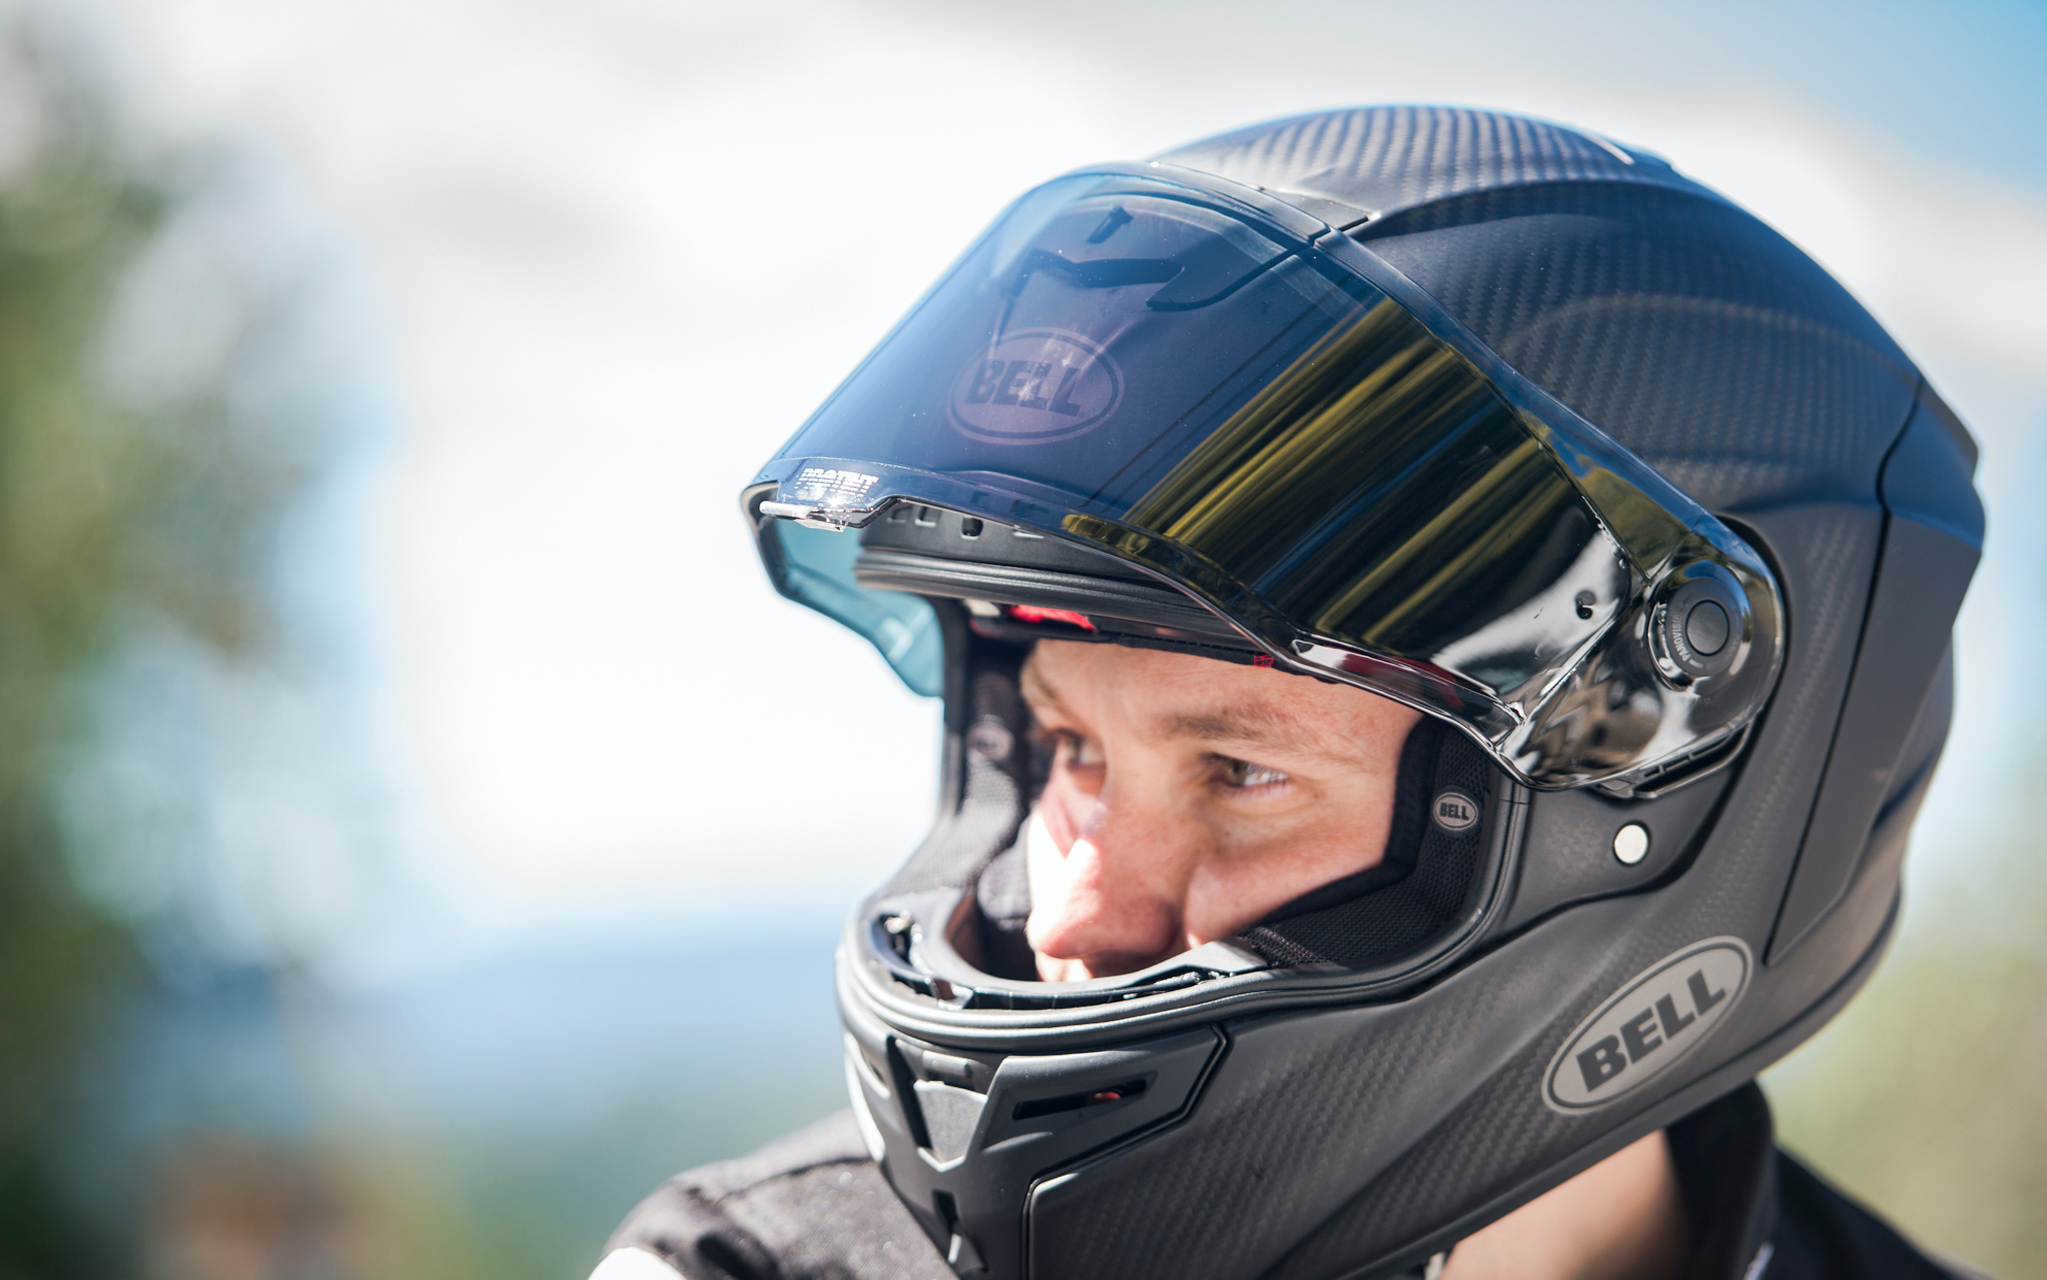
69	222
115	511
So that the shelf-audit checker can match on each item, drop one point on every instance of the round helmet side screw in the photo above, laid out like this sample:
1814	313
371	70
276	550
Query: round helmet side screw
1631	843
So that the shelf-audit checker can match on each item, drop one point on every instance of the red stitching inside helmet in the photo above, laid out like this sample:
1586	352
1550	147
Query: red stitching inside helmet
1032	613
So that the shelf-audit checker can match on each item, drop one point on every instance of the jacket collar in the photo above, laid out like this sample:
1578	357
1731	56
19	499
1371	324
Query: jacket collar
1725	1154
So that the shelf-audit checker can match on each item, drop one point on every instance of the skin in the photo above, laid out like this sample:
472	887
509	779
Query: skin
1188	799
1622	1219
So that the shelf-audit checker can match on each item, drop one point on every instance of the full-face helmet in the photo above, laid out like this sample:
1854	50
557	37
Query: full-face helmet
1494	417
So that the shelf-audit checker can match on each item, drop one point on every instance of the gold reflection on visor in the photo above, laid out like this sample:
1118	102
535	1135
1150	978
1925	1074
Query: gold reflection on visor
1378	492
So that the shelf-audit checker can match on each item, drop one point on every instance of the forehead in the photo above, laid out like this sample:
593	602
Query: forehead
1082	669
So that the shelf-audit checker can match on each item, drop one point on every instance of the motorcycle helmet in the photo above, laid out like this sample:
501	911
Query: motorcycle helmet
1494	417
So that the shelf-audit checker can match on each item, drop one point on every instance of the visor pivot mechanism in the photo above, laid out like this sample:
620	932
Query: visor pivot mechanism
1701	625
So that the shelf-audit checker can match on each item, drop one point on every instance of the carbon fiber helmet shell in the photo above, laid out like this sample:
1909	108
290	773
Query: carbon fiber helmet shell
1264	1110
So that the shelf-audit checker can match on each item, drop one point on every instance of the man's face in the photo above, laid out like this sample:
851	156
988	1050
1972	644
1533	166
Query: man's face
1189	798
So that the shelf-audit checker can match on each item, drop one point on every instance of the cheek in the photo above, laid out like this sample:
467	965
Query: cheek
1283	861
1227	895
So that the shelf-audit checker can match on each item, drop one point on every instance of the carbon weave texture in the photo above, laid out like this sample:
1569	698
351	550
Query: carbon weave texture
1384	159
1827	556
1265	1149
1498	1138
1686	329
1288	1145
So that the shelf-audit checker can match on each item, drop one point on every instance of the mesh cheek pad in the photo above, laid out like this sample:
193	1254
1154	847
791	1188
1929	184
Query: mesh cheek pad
995	780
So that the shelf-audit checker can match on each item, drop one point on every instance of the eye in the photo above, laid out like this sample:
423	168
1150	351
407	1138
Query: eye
1075	750
1242	775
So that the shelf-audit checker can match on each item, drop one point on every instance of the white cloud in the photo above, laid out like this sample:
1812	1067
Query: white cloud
625	247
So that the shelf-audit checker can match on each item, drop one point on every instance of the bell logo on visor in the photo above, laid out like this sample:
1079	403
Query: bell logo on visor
1037	385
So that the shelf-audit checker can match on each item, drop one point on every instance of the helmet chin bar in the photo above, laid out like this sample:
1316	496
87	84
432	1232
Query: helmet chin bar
976	1091
965	1137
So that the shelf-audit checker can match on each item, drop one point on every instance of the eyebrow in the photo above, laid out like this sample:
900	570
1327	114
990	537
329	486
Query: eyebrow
1254	724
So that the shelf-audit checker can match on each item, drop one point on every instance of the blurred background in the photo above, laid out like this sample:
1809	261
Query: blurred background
403	865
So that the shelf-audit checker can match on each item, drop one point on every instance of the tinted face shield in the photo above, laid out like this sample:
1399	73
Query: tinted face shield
1248	410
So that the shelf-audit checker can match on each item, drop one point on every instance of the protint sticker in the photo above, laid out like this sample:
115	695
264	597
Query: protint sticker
1657	1018
828	487
1038	385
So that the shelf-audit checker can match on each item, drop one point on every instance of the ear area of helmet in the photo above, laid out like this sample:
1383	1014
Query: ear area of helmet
1583	844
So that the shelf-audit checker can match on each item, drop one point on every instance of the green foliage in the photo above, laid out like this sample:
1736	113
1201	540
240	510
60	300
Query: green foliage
1927	1098
69	223
112	509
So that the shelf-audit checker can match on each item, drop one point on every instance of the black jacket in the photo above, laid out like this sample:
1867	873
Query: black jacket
813	1206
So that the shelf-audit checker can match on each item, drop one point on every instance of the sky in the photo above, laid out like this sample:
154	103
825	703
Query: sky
616	250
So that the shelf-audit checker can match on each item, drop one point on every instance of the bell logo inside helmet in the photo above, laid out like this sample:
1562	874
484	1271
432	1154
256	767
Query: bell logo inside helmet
1656	526
1455	812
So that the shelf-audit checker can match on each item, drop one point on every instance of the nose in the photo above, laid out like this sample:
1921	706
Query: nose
1113	900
